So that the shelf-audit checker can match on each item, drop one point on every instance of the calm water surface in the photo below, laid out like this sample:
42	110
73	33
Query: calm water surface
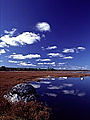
69	98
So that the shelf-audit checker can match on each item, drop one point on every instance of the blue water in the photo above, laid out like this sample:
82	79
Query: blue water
69	98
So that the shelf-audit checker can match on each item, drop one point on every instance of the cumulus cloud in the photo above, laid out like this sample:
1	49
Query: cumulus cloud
49	48
2	51
12	61
78	67
59	55
43	26
10	32
21	39
14	53
21	63
85	67
71	50
20	56
3	44
67	57
55	55
43	60
26	64
61	64
46	63
81	48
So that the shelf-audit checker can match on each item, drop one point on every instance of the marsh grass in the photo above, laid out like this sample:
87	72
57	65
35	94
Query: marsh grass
23	110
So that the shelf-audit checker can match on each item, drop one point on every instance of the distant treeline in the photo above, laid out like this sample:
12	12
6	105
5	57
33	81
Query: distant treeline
3	68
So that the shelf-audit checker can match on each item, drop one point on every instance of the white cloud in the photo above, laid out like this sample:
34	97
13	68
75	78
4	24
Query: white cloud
10	32
74	67
59	55
43	60
71	50
2	51
21	39
14	53
68	57
81	48
49	48
40	63
85	67
61	64
12	61
26	64
78	67
3	44
43	26
43	48
45	63
43	36
20	56
55	55
21	63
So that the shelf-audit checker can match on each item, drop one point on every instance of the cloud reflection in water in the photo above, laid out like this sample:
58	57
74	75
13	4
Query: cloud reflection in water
74	92
36	85
45	82
51	94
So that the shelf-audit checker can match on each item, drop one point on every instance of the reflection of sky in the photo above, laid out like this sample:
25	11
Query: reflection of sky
51	94
66	96
54	84
73	92
62	78
45	82
36	85
55	87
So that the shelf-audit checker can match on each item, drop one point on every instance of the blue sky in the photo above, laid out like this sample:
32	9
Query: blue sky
45	33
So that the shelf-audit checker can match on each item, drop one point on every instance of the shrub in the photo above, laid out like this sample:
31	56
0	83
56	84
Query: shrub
4	105
30	111
23	110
